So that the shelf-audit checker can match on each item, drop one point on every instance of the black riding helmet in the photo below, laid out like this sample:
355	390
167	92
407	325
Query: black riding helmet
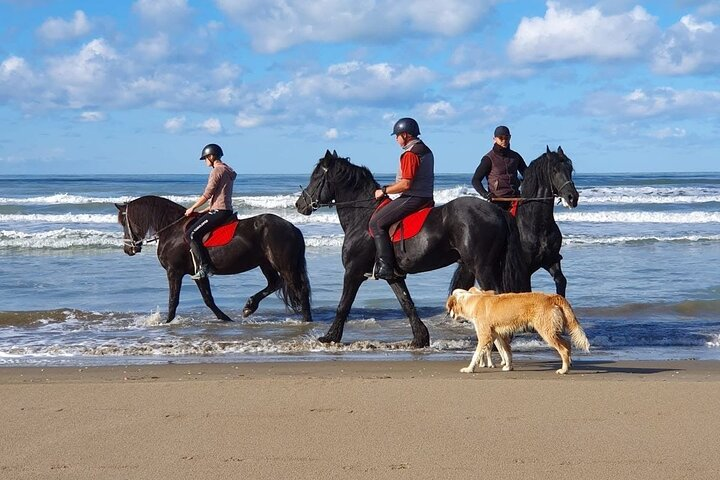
406	125
211	149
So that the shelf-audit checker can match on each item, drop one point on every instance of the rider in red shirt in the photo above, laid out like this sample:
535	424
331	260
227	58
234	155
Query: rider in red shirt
414	182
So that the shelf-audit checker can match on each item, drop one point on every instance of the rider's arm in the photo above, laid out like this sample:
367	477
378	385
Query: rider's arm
409	163
482	171
521	165
198	203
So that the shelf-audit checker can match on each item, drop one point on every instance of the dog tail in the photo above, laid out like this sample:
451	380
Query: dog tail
577	334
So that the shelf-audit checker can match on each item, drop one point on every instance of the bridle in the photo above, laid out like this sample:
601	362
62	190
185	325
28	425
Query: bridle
136	245
316	204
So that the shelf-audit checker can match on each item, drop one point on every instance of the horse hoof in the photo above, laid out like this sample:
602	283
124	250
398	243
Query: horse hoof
420	343
247	312
327	339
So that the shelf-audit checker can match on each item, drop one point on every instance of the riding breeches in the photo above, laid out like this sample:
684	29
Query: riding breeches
205	223
395	211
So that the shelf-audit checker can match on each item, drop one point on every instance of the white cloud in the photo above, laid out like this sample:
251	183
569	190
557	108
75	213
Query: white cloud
92	116
669	132
564	34
364	83
212	126
654	103
163	13
90	65
438	110
689	46
14	67
153	49
57	29
331	133
278	24
174	124
243	120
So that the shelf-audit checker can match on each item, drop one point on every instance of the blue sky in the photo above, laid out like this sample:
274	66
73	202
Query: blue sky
141	86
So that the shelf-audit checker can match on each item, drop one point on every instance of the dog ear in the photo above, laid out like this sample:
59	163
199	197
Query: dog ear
450	305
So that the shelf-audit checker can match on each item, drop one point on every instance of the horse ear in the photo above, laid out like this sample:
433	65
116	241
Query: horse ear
328	154
560	150
335	154
547	148
121	206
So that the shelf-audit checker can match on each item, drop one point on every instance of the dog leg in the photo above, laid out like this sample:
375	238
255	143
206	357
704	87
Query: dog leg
484	340
505	352
554	339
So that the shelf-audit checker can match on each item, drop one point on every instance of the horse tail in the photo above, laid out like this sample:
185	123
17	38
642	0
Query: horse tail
516	277
462	278
295	289
577	334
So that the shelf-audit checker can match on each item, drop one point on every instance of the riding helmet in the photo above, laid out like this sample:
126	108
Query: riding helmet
406	125
211	149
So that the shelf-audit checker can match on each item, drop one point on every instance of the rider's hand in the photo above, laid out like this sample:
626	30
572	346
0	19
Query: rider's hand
379	194
489	197
189	211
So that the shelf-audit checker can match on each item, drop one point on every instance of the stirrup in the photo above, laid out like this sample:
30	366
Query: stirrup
203	272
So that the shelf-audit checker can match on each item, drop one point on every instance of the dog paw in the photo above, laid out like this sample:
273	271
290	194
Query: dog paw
561	371
467	370
507	368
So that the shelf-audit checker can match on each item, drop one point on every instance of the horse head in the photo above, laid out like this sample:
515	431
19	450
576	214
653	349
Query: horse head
560	175
131	243
319	190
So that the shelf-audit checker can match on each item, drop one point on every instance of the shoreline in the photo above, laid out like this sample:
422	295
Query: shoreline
362	419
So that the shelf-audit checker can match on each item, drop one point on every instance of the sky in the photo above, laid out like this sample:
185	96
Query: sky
139	87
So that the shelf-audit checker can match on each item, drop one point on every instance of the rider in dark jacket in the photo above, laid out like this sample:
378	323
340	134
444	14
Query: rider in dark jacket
501	167
415	182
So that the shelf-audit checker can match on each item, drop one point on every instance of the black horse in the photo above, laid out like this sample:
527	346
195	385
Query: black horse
467	229
266	241
547	177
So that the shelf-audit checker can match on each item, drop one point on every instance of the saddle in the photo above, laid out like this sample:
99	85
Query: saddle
220	235
409	226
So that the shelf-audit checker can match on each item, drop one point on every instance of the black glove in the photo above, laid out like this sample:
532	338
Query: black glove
489	196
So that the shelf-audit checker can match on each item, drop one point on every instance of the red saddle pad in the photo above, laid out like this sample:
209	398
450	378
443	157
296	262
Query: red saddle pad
409	226
221	235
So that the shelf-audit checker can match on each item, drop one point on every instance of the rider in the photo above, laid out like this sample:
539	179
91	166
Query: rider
501	167
218	191
415	183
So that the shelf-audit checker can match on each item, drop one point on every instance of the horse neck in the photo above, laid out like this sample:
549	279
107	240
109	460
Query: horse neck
156	213
535	204
354	215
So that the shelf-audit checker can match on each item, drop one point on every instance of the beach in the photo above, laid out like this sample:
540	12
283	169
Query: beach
359	419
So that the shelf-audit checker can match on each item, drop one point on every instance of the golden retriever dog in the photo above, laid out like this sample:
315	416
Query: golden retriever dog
497	316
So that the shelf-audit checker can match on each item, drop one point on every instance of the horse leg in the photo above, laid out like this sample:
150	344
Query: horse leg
462	278
174	284
351	284
203	285
558	277
273	284
421	337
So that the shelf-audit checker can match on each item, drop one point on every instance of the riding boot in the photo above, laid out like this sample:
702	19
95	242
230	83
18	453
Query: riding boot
385	264
202	260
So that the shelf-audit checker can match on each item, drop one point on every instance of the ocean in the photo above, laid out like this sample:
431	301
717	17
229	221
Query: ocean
641	255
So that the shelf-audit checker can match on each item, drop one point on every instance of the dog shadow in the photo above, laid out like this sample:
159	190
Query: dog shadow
605	367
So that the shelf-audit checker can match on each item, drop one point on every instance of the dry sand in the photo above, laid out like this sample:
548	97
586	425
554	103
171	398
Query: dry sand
339	419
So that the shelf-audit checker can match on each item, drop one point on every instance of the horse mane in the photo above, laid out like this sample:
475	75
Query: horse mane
155	212
353	176
537	174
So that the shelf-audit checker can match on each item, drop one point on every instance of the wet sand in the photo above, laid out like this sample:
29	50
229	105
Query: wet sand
379	420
